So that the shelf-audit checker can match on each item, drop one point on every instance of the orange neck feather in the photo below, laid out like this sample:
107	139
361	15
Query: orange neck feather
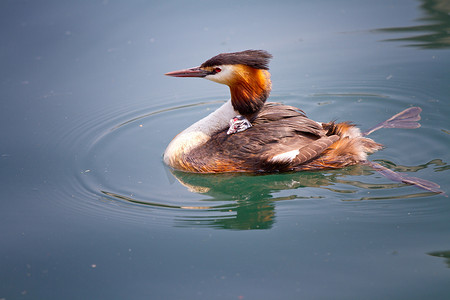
249	90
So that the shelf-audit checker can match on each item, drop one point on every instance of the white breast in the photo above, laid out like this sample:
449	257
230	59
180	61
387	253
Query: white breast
199	133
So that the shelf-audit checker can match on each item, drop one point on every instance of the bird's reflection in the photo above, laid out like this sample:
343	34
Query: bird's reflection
254	196
247	201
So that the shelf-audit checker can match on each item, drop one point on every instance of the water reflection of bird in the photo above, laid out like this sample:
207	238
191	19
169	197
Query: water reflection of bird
246	134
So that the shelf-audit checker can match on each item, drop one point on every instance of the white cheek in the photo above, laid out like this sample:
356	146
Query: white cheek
223	76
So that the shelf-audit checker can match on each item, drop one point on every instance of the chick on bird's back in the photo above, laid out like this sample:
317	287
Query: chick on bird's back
276	138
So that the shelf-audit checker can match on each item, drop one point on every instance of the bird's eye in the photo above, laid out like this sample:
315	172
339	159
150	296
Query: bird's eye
217	70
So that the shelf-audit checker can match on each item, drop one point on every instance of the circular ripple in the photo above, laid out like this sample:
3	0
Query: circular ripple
117	169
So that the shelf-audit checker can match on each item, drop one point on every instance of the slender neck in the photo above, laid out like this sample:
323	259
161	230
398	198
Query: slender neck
249	90
216	121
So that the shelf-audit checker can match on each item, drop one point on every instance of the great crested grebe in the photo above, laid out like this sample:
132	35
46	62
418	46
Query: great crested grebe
246	134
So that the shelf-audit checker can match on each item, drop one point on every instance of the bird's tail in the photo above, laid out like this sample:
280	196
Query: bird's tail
405	119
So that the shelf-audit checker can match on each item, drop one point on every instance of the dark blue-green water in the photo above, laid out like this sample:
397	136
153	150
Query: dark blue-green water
89	211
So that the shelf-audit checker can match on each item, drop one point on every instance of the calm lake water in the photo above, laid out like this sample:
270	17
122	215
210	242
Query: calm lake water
89	211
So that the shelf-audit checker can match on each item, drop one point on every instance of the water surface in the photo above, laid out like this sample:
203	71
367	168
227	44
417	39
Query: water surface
89	210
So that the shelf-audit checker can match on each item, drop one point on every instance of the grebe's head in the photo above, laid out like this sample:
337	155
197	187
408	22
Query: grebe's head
245	72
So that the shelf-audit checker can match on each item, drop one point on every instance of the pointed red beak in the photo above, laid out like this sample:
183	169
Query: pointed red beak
192	72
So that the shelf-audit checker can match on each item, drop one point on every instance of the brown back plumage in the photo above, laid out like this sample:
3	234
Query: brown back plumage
277	129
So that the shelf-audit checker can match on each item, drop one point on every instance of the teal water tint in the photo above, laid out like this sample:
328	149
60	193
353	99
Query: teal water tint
88	210
433	33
